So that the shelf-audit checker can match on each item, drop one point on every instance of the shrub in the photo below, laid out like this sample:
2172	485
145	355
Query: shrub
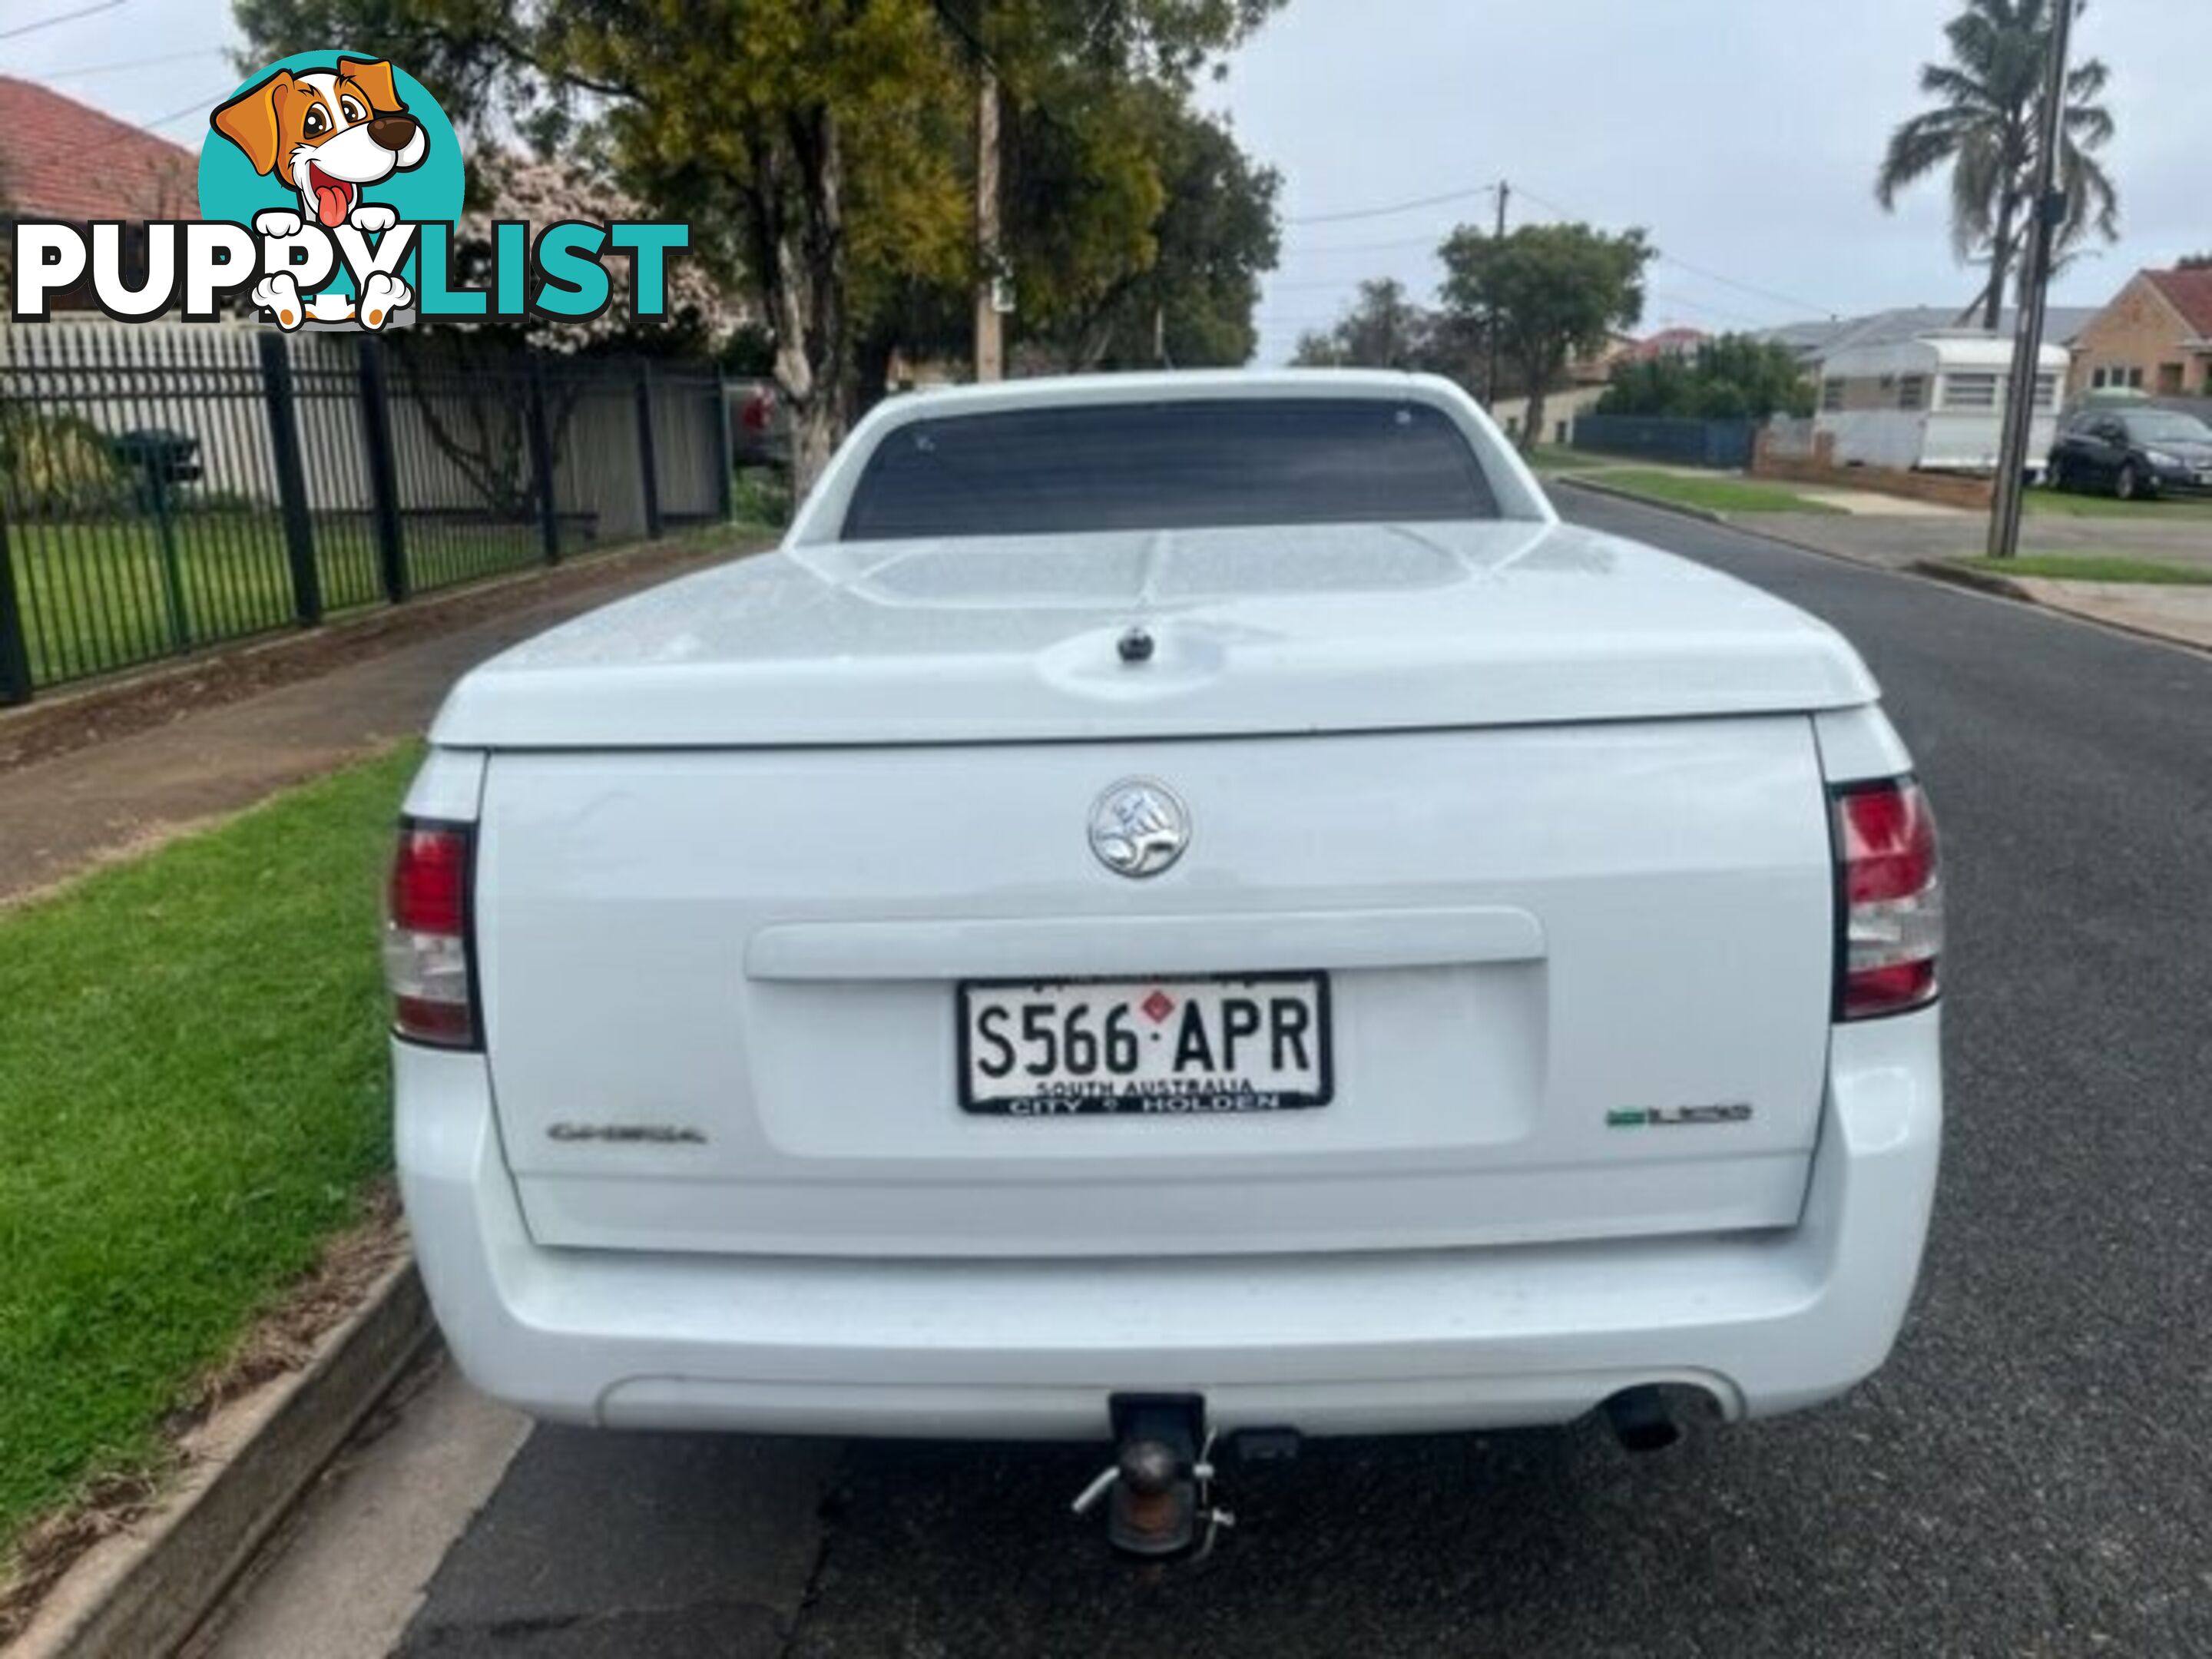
761	495
1728	379
58	464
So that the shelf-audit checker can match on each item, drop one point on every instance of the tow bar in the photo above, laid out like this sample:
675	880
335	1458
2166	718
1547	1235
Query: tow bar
1161	1482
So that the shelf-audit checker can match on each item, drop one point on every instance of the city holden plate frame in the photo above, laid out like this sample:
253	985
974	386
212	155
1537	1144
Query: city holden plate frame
1122	1047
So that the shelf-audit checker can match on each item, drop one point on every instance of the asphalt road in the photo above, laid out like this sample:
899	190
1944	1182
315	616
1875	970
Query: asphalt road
2029	1476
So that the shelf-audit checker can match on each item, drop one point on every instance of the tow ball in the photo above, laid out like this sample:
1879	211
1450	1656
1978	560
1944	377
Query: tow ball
1159	1489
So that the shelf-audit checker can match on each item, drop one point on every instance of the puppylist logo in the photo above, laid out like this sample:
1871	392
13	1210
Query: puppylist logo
330	187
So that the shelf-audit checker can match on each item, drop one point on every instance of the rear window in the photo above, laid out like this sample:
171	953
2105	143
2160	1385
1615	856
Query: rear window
1186	465
2167	426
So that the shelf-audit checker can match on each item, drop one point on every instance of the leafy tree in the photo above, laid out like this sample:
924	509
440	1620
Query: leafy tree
1733	377
1552	291
1382	328
822	149
1984	130
2196	262
1164	264
809	146
1217	235
1182	289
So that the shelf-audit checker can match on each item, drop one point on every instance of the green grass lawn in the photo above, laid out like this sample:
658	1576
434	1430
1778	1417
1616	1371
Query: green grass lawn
102	595
1556	458
2094	567
2051	503
192	1098
1717	493
1563	458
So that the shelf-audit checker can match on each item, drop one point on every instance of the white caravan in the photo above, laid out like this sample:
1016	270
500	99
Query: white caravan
1932	403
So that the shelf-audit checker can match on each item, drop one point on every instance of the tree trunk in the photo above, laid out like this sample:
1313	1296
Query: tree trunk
1532	429
1542	366
798	198
2000	259
816	432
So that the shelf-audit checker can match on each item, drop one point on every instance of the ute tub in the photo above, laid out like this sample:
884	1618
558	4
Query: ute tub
1767	1322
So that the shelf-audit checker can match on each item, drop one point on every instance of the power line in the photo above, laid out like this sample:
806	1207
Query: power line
1393	207
198	106
1429	242
130	64
1341	284
1794	301
1797	303
93	11
1724	314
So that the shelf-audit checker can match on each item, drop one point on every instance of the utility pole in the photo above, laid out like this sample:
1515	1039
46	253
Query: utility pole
1490	375
990	319
2050	212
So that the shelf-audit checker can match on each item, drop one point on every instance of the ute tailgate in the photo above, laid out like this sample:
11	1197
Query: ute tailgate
1578	987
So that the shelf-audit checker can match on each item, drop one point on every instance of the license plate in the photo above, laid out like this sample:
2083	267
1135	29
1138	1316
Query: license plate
1164	1048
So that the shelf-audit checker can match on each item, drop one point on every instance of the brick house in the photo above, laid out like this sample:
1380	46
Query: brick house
63	159
2154	336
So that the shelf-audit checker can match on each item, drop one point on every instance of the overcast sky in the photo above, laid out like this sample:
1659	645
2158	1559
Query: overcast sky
1742	134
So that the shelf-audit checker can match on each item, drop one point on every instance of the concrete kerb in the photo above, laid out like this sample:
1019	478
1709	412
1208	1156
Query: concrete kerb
141	1594
1680	509
1946	572
1986	581
2005	588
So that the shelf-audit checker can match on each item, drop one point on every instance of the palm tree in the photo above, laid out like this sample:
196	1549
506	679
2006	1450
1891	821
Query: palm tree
1984	128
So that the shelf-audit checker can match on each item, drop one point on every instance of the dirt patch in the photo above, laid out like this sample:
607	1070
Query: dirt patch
285	1339
280	1342
108	1506
66	722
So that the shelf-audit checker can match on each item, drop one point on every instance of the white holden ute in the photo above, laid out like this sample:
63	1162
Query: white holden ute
1190	887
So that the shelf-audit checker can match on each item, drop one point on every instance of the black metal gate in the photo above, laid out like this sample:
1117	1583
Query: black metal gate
168	487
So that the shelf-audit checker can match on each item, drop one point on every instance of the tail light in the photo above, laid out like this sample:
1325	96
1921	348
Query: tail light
429	949
1889	900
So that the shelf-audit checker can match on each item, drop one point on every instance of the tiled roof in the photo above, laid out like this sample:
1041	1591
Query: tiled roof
2190	292
63	159
1668	342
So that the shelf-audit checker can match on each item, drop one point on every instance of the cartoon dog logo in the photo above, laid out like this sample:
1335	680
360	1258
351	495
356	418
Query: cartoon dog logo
329	134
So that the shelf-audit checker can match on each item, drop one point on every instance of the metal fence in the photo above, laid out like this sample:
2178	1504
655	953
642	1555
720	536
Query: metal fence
1692	443
167	487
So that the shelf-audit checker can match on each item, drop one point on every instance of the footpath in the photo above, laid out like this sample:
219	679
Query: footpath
116	796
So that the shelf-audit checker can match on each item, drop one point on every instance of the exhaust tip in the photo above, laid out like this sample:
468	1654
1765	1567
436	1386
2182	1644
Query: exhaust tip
1647	1419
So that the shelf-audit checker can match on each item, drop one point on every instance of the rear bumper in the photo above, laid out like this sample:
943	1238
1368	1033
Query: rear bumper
1348	1344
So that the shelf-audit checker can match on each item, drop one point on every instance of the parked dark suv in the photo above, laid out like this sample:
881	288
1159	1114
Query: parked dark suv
2133	452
